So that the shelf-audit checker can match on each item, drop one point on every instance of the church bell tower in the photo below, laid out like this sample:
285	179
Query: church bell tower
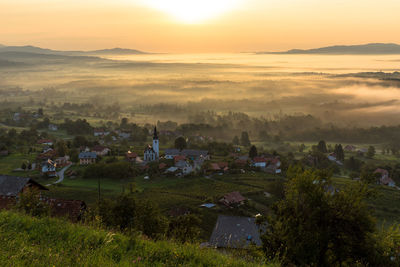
156	145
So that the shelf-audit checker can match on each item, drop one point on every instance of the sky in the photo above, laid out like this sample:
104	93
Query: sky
197	26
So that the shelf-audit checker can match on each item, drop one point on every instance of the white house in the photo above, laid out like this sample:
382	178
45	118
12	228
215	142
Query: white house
49	168
100	132
17	116
101	150
385	179
47	142
184	166
124	135
260	162
53	127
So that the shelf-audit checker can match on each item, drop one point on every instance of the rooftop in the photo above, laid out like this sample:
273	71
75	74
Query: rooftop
235	232
13	185
186	152
87	155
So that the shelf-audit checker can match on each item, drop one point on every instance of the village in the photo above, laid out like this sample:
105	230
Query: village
171	162
229	186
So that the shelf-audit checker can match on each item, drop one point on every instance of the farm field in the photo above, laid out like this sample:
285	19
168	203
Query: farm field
191	192
172	192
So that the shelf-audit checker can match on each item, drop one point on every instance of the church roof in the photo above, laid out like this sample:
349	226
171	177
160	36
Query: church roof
155	134
149	148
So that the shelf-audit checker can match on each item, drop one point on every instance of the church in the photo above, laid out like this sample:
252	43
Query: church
152	153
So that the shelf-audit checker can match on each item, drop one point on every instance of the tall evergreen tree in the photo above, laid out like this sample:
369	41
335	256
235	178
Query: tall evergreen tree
253	152
244	139
322	147
339	152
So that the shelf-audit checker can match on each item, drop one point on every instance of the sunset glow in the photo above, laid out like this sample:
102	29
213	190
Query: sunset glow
193	11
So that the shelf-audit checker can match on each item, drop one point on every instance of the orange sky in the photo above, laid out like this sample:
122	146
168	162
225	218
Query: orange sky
253	25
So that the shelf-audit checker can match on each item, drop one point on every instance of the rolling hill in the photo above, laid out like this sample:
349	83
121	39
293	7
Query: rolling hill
366	49
44	51
27	241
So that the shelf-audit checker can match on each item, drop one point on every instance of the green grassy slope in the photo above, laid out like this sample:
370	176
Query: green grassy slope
27	241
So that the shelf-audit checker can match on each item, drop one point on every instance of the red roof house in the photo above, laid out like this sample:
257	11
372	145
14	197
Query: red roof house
231	199
45	142
179	158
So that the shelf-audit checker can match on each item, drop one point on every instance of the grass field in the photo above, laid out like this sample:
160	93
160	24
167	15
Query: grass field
386	204
172	192
27	241
14	161
191	192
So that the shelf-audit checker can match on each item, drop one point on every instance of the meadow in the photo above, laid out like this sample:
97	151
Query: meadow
27	241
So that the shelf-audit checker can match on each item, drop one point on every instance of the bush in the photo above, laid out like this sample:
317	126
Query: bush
30	203
130	215
184	228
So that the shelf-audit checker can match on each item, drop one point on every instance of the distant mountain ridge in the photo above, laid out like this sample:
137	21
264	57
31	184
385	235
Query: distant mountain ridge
39	50
366	49
117	51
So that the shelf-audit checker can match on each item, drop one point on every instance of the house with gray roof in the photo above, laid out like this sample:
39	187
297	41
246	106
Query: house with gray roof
235	232
188	153
86	158
12	186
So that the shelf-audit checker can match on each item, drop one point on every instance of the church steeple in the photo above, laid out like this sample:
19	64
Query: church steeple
156	145
155	133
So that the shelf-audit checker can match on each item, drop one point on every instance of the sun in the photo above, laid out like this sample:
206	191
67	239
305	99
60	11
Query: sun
193	11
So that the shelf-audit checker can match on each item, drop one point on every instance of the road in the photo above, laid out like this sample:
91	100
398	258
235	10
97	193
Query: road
60	175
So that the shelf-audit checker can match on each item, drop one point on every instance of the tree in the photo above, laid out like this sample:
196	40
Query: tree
235	141
371	152
302	147
339	152
23	166
315	226
245	140
368	177
40	112
322	147
127	213
124	122
184	228
79	141
180	143
253	152
353	164
74	155
61	148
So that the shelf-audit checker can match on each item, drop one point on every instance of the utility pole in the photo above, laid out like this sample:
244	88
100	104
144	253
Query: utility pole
98	180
